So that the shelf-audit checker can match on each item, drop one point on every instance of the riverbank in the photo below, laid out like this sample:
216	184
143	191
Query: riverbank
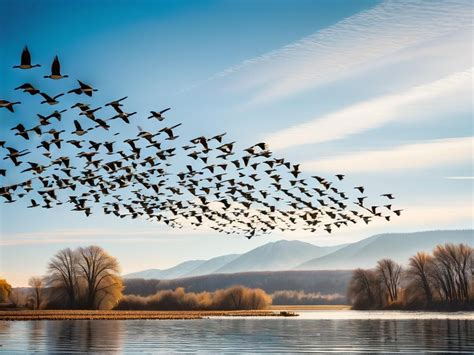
13	315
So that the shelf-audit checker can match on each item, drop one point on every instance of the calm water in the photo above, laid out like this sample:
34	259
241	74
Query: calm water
313	332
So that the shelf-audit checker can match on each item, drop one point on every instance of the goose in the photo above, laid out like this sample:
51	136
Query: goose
9	105
25	62
83	89
55	70
116	104
79	130
27	87
50	100
22	132
158	114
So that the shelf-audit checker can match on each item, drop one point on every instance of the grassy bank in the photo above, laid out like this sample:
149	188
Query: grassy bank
121	315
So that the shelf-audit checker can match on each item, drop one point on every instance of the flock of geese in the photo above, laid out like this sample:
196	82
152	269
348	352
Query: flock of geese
203	181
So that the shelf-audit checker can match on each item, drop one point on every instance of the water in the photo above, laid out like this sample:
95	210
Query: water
329	331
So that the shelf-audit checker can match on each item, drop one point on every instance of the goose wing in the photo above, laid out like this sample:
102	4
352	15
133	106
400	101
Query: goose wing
25	56
56	66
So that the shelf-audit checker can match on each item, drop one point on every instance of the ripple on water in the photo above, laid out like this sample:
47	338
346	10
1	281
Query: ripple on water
240	335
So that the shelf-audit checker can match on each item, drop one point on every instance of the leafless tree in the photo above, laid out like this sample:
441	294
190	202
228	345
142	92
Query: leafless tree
364	289
389	273
63	272
36	283
453	266
420	274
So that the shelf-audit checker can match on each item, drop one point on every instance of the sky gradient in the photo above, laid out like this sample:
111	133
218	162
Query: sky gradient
378	90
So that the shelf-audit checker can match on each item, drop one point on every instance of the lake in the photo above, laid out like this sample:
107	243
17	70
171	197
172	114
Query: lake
313	331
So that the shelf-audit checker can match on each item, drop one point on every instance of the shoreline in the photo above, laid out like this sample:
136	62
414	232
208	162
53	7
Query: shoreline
27	315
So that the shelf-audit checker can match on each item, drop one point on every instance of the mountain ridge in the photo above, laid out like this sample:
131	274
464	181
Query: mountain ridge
297	255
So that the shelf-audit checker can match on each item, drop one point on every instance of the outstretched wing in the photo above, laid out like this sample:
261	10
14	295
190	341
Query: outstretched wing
56	67
25	56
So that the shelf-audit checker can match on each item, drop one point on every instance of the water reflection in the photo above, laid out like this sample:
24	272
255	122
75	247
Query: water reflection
240	335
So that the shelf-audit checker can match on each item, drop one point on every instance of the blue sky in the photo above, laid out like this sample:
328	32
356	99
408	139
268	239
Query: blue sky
381	91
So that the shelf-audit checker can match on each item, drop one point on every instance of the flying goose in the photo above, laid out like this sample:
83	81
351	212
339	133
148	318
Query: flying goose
83	89
25	62
55	70
158	114
9	105
50	100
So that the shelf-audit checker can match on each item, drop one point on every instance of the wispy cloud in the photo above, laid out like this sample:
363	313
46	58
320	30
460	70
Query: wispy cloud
460	177
101	235
410	156
349	45
372	113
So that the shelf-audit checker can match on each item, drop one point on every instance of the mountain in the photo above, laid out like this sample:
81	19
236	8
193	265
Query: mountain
397	246
211	265
174	272
281	255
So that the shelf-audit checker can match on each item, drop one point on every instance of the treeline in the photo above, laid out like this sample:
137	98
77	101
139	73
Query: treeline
89	278
320	281
233	298
302	298
441	280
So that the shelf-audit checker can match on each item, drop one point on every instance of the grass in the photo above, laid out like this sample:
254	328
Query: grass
121	315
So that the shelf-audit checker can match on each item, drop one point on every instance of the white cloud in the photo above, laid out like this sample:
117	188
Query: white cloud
352	44
410	156
373	113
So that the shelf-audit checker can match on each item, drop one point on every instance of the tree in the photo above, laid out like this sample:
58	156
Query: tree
63	269
364	289
88	277
420	273
100	273
5	291
453	266
36	283
389	273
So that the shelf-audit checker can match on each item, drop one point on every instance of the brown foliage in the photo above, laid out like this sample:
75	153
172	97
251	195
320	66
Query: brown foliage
233	298
5	291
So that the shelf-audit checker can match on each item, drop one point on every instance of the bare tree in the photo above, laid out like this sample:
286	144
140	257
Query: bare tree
100	273
389	273
364	289
36	283
420	272
63	271
453	264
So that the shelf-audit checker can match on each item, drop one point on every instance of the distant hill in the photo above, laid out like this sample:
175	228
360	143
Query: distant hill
397	246
177	271
325	282
280	255
210	266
